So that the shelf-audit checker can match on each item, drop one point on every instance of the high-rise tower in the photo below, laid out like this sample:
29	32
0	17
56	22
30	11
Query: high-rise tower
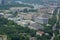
0	1
4	1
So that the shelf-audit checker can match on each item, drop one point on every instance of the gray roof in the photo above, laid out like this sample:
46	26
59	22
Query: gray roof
37	26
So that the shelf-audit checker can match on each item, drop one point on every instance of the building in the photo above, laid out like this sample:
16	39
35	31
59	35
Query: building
35	26
24	23
41	20
33	38
7	15
0	1
45	11
1	14
40	33
14	9
4	1
3	37
26	16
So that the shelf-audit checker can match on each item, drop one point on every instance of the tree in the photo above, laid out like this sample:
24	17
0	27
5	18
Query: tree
13	30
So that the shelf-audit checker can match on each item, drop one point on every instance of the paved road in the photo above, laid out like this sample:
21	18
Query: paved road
54	26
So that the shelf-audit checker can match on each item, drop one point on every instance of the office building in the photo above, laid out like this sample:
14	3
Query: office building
4	2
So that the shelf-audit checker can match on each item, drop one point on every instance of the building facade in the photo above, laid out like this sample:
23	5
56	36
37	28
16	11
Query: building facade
4	2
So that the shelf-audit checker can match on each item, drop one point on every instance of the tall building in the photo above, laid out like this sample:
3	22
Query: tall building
4	1
0	1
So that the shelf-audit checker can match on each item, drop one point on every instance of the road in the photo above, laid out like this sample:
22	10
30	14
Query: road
54	26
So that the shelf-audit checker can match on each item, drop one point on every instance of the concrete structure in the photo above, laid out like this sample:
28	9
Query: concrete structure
0	1
3	37
15	19
7	11
7	15
41	20
27	16
24	23
33	38
1	14
4	2
14	9
35	26
45	11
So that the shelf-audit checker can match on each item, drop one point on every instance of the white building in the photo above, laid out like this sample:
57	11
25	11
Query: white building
1	14
41	20
25	23
45	11
3	37
7	15
0	1
35	26
14	9
33	38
